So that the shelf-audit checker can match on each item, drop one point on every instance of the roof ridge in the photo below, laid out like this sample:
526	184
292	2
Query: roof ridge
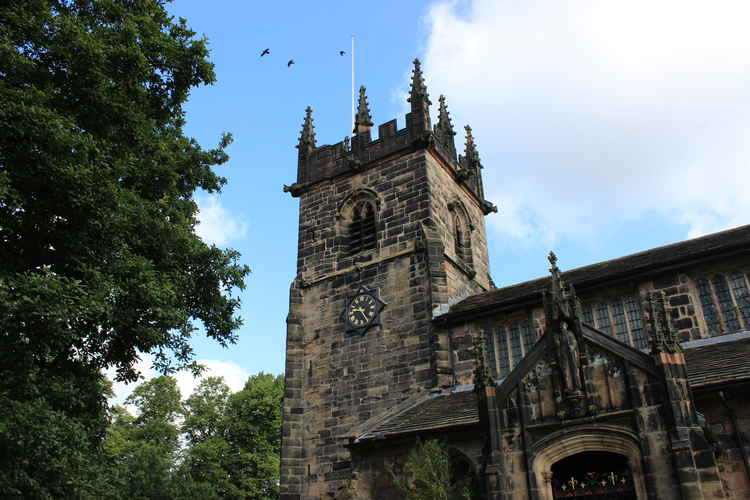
597	271
719	339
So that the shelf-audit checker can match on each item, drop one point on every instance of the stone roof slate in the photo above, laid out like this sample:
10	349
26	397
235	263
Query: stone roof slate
708	364
440	411
676	254
718	363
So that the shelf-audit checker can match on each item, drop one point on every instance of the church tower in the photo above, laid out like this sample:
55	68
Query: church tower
391	231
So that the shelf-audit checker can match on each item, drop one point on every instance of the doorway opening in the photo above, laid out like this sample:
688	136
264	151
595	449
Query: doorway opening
596	475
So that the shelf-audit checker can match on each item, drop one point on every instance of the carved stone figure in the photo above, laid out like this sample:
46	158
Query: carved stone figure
570	358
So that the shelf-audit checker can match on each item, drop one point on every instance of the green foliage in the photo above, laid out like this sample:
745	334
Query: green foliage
98	255
254	432
429	474
143	449
221	457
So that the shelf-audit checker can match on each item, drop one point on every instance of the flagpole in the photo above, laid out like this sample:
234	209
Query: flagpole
353	105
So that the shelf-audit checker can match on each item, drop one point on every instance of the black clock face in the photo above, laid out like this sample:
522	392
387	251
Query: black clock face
361	310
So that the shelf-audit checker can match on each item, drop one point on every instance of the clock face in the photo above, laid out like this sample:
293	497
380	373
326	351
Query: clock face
362	310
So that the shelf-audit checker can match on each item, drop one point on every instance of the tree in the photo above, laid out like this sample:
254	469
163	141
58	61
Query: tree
429	474
254	432
99	260
143	449
208	455
233	441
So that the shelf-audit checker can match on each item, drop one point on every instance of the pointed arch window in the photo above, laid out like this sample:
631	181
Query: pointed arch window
362	229
461	237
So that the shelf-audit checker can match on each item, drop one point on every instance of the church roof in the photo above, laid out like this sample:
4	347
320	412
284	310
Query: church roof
442	410
628	267
710	362
718	360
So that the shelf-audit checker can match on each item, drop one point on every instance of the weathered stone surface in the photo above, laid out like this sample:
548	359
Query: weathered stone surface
355	402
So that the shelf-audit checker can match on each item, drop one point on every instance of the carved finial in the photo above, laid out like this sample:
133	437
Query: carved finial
561	300
307	137
363	120
444	129
470	151
418	96
444	125
552	258
418	120
557	285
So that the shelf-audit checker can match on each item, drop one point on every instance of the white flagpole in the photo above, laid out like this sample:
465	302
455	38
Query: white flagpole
353	104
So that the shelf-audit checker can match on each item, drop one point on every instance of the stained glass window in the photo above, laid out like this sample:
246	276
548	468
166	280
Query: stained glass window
588	315
726	305
502	344
515	344
602	318
739	290
529	336
621	327
489	349
620	317
709	309
636	325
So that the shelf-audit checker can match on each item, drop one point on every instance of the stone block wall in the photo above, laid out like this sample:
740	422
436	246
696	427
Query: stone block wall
445	193
338	380
346	378
728	423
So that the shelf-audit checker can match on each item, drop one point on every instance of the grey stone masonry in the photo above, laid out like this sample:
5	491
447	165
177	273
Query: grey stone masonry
338	379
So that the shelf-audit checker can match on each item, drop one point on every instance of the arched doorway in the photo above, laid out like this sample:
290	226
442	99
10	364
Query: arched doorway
619	446
596	475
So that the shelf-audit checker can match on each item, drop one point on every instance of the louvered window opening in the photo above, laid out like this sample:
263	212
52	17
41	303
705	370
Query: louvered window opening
461	243
725	302
362	233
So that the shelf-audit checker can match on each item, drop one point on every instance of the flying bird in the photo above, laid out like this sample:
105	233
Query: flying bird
289	64
265	52
342	52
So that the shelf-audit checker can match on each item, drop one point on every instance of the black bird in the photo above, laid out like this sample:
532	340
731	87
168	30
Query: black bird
342	53
289	64
265	52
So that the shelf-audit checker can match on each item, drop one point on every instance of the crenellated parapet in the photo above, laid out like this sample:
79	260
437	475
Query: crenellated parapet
321	163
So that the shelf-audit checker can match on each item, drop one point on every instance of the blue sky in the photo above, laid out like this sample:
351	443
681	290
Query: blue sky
604	128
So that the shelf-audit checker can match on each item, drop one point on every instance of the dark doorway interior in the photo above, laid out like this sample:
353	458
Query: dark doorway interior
595	475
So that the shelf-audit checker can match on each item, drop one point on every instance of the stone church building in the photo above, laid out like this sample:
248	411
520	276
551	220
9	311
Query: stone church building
624	379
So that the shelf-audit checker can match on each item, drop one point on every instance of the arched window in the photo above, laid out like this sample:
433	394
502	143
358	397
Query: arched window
461	235
362	231
458	236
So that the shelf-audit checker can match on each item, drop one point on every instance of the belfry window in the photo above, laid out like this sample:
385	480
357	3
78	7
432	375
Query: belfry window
461	238
362	231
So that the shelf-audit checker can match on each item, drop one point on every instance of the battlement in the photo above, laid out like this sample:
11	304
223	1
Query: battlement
329	161
316	164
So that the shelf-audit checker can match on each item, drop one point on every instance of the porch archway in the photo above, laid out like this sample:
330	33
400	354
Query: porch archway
559	446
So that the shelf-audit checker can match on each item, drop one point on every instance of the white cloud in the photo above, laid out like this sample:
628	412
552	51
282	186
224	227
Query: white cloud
234	376
121	389
589	114
216	224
